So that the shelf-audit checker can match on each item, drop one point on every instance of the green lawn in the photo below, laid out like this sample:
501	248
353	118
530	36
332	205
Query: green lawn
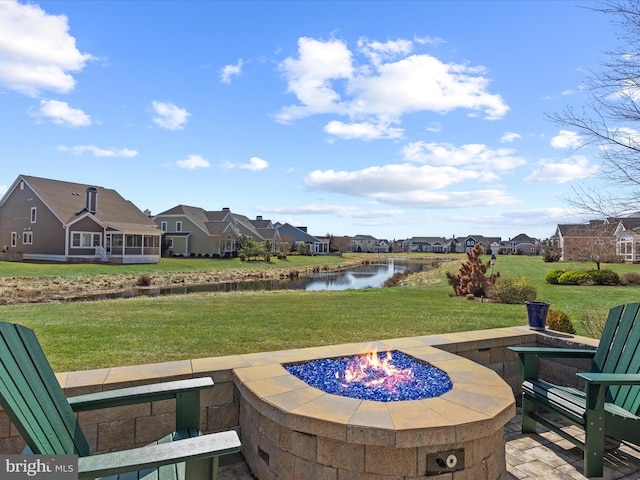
110	333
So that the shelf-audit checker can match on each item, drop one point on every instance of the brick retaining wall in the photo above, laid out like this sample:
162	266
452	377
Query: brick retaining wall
125	427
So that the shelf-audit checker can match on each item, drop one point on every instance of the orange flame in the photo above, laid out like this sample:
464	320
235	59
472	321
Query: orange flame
371	371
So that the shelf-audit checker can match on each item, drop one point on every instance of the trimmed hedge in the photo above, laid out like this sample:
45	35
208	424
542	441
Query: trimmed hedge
574	277
582	277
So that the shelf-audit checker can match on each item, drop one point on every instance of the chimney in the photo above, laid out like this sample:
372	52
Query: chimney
259	217
226	209
92	199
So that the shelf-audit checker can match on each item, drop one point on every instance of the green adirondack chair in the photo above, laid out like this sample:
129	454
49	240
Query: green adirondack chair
610	402
36	404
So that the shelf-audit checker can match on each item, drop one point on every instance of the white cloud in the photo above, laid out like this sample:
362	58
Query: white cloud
455	199
386	84
60	113
342	211
229	70
393	178
574	168
472	156
98	152
169	116
255	164
566	139
363	131
36	51
193	161
509	137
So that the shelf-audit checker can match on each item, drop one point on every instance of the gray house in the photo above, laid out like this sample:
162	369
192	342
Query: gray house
194	231
43	219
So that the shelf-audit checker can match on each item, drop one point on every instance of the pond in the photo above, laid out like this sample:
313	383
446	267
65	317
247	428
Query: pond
372	275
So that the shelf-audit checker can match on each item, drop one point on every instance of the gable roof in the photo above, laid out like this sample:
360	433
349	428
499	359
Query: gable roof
67	201
288	230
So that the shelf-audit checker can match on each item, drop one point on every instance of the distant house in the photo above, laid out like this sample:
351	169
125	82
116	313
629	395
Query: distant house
627	235
430	244
488	244
43	219
292	236
524	245
581	241
195	232
363	243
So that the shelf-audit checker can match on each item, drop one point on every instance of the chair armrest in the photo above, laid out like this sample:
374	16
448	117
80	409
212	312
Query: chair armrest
153	456
611	378
142	394
550	352
528	357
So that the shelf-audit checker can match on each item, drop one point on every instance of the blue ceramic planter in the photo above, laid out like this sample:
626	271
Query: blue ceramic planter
537	314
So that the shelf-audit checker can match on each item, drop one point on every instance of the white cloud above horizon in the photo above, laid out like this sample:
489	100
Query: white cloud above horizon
193	161
255	164
393	83
60	113
229	71
37	53
577	167
169	116
98	151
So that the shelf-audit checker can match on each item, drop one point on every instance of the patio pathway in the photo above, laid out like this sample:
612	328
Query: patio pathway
545	456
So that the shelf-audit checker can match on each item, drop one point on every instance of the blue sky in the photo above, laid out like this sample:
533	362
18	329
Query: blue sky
389	118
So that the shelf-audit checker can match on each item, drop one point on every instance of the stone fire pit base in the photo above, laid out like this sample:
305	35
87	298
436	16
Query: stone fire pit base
293	431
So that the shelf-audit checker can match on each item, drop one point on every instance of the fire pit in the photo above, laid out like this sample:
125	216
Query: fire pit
383	377
292	430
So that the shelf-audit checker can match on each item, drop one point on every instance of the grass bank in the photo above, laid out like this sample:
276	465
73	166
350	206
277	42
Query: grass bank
111	333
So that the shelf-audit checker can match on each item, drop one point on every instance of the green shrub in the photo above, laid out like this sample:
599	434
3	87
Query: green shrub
513	290
559	321
630	278
604	277
575	277
552	276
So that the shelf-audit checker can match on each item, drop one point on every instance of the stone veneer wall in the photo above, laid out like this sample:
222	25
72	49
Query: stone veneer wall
125	427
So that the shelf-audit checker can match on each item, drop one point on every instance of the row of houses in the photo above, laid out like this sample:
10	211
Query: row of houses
53	220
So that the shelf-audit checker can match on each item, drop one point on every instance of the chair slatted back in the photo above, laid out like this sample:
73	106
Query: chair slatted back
32	397
619	352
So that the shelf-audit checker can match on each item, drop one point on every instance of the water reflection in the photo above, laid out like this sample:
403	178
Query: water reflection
364	276
371	276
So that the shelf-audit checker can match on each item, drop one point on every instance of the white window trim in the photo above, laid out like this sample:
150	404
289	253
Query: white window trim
81	235
34	213
14	239
163	226
178	226
27	238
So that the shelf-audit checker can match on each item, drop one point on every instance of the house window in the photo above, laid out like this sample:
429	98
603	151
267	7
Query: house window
85	239
22	185
169	242
27	238
14	239
178	226
163	226
33	214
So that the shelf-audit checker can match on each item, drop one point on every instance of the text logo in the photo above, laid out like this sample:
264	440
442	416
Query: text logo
39	467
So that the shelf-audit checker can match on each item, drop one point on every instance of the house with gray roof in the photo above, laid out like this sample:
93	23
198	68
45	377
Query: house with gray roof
291	237
53	220
193	231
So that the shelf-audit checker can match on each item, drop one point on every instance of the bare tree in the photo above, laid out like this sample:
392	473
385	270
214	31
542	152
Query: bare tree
609	118
592	242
